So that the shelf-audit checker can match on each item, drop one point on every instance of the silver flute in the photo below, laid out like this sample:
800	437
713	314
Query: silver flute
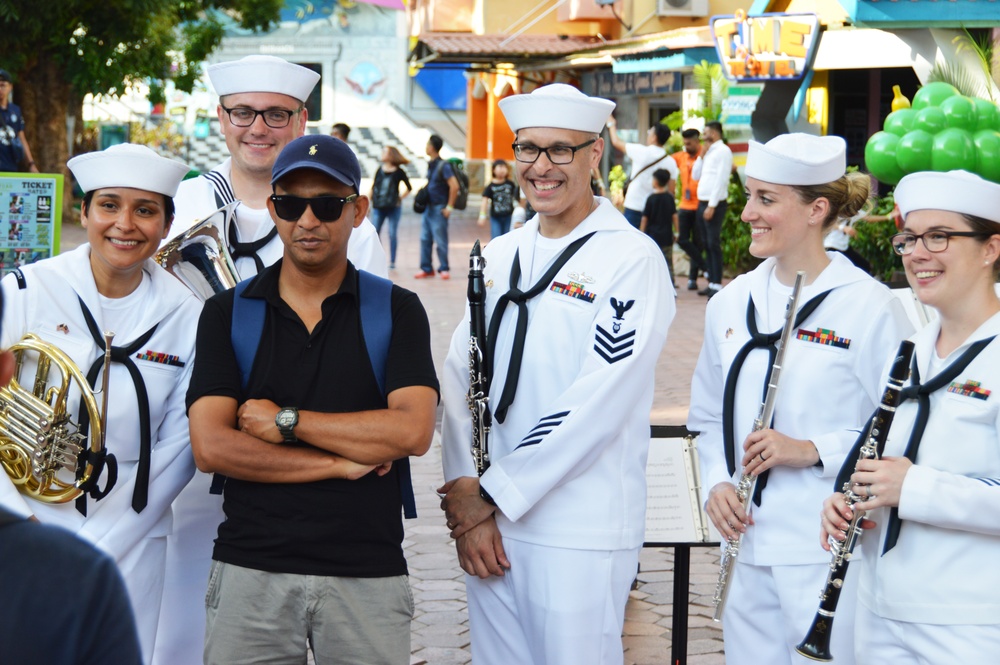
747	484
479	372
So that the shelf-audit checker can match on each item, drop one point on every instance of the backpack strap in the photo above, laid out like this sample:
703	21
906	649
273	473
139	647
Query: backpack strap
375	296
245	332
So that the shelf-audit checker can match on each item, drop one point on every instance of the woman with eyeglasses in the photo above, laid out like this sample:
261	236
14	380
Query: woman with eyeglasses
845	326
71	301
927	589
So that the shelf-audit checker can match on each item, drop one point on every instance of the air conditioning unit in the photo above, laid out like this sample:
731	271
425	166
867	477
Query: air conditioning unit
682	7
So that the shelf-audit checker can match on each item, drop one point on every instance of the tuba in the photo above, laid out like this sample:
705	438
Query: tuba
44	452
200	258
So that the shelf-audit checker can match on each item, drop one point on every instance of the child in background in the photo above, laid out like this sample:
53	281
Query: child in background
659	218
502	194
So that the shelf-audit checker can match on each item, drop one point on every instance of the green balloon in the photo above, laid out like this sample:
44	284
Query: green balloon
953	149
913	153
933	94
900	122
987	113
960	112
988	153
880	157
929	119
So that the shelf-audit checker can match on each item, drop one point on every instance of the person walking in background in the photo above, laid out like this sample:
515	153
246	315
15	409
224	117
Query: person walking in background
499	197
550	535
644	158
845	326
442	187
386	199
713	170
14	148
340	131
660	217
688	230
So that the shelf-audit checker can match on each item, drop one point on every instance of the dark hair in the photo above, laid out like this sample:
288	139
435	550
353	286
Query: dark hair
396	157
982	225
847	196
436	141
662	177
717	126
342	129
691	134
662	133
168	206
499	162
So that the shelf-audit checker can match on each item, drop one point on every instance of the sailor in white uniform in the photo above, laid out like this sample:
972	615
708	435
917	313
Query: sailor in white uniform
927	589
846	325
110	284
550	535
261	109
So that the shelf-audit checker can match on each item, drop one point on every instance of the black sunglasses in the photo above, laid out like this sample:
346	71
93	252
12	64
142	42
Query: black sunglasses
326	208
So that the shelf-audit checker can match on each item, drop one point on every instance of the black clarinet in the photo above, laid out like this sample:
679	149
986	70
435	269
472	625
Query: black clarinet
479	371
816	644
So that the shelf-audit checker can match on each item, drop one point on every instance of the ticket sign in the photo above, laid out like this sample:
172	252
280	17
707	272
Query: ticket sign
30	218
766	47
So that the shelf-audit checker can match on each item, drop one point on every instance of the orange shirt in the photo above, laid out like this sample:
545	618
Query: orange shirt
689	187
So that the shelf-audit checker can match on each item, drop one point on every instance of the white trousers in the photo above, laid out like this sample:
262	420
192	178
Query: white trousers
770	610
879	641
142	571
553	607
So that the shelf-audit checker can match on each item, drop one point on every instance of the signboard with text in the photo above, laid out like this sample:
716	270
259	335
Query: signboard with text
766	47
30	218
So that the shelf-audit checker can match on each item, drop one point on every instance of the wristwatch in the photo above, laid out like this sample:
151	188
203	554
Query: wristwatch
286	420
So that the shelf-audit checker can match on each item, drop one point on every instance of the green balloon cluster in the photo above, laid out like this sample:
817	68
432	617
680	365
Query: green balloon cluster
942	131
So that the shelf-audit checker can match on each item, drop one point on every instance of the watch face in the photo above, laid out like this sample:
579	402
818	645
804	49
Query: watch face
286	418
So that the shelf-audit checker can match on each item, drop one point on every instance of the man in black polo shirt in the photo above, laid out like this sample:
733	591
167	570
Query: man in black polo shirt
311	546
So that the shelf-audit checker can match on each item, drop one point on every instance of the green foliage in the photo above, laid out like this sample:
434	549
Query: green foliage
103	47
736	255
714	85
871	240
616	179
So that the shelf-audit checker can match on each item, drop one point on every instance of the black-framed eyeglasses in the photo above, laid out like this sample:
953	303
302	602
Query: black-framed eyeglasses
557	154
934	241
244	116
326	208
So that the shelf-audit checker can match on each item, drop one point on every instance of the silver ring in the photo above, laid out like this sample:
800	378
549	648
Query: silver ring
868	491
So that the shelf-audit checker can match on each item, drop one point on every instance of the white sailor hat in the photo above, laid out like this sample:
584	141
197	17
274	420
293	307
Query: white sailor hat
263	73
955	191
128	165
559	106
797	159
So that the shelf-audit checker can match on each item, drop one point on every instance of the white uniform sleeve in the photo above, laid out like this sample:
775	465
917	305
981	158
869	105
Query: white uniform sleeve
365	251
888	328
456	424
705	411
14	323
597	404
951	501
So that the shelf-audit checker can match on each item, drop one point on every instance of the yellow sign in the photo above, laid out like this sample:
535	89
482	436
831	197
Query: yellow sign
765	47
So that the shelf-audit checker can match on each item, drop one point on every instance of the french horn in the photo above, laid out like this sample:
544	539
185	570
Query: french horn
199	257
41	448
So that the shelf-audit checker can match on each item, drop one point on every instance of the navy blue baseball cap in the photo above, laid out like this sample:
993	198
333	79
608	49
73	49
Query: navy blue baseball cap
322	153
5	75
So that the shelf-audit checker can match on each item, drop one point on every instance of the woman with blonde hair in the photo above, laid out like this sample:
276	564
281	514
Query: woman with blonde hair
927	580
386	199
846	324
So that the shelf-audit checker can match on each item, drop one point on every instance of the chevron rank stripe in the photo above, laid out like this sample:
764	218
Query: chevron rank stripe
992	482
544	427
614	347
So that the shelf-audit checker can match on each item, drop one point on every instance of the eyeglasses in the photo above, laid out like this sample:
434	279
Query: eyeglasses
243	116
326	208
557	154
934	241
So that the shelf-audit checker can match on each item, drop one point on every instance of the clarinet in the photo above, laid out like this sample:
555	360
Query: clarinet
479	372
747	484
816	644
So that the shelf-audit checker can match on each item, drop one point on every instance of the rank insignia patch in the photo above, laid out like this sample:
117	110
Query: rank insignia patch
823	336
573	290
614	347
969	389
161	358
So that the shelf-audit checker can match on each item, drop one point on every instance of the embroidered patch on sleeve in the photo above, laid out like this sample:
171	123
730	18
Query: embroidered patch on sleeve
969	389
161	358
614	347
544	427
992	482
573	290
823	336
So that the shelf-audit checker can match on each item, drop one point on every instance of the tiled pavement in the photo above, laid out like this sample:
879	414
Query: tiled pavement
440	634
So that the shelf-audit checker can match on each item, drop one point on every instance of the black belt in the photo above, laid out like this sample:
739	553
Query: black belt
757	340
123	355
238	250
521	298
922	393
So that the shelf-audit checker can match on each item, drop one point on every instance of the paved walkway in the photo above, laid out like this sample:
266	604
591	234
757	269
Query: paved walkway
440	627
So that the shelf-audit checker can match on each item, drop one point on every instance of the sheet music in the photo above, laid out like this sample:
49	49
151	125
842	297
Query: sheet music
673	506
